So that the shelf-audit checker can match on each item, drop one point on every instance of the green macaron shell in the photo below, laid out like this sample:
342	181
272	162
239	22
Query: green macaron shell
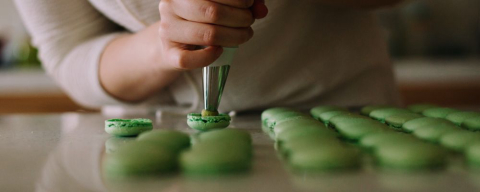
410	156
472	154
458	117
419	108
239	144
294	123
434	132
472	124
175	140
114	143
414	124
311	141
214	158
324	158
459	140
299	133
381	114
369	108
127	127
375	140
356	131
317	111
347	118
225	135
139	158
439	112
267	114
397	121
282	116
326	116
196	121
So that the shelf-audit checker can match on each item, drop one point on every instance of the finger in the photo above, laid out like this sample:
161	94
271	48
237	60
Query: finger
184	59
193	33
213	13
235	3
259	9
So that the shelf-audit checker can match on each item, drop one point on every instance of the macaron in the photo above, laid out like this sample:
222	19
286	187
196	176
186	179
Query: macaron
324	158
419	108
356	131
414	124
439	112
302	132
459	140
282	116
326	116
215	158
225	135
472	154
114	143
206	123
294	123
397	121
472	124
127	127
375	140
311	141
381	114
139	158
458	117
174	140
347	118
317	111
271	112
238	143
369	108
434	132
410	156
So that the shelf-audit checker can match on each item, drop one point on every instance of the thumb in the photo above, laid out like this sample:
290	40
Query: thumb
259	9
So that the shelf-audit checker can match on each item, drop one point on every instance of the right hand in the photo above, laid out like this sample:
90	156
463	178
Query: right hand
187	24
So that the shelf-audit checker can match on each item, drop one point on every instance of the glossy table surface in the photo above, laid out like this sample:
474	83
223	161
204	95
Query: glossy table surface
63	152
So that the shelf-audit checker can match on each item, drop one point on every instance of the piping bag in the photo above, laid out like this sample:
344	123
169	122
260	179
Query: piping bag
214	79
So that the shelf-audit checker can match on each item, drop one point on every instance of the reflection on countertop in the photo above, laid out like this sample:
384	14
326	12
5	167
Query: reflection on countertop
63	152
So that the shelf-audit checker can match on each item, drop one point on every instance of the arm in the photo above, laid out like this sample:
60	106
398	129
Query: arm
363	4
71	36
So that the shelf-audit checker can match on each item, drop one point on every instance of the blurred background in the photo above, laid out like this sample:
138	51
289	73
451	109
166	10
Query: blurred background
435	46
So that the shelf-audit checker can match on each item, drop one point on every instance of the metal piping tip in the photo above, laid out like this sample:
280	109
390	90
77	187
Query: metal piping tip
214	79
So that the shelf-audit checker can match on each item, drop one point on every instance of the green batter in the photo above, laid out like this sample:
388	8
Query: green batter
206	123
127	127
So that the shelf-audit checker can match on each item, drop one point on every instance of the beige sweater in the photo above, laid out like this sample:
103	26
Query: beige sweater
303	54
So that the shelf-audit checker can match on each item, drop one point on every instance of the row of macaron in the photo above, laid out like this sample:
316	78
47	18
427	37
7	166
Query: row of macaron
372	135
307	145
451	128
467	119
158	152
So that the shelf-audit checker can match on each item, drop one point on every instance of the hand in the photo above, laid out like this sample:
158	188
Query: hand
136	66
187	25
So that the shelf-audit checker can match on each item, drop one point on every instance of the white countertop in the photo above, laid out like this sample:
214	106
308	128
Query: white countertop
64	152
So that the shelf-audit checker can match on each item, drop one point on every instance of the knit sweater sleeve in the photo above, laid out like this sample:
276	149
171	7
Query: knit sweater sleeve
71	36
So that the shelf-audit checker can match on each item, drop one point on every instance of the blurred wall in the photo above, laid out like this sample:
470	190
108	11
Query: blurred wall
433	28
10	22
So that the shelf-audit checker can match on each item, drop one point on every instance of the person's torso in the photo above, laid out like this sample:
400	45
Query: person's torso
301	51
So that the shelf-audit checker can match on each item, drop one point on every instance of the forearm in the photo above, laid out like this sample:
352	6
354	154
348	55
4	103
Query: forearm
364	4
126	66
